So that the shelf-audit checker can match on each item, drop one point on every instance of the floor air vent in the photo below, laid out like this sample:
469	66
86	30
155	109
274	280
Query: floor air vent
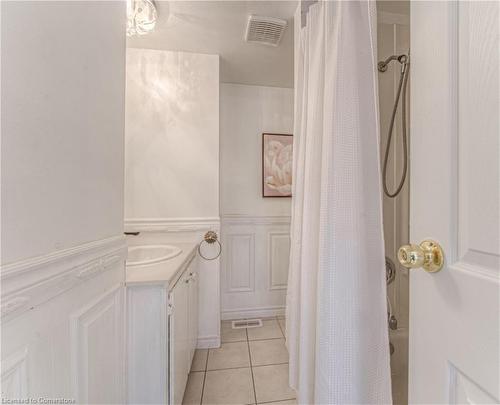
247	323
265	30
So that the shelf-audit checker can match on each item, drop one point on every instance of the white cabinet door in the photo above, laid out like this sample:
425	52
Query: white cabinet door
179	339
454	314
193	309
147	353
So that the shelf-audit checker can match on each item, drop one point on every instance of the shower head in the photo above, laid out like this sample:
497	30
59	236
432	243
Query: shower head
403	59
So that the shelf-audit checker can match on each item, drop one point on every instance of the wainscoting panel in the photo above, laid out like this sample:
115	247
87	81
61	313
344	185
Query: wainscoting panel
241	257
15	375
254	265
97	341
279	252
63	324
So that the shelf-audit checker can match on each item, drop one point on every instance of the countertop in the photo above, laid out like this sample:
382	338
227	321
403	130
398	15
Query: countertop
165	273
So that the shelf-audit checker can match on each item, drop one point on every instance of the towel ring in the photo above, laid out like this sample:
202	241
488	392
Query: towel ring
210	238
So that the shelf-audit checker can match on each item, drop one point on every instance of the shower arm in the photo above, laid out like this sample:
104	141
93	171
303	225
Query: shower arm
403	59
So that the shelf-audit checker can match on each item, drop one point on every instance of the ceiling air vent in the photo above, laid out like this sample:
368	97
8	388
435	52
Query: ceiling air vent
265	30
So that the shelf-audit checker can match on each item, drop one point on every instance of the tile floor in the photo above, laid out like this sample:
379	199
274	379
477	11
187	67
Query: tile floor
250	367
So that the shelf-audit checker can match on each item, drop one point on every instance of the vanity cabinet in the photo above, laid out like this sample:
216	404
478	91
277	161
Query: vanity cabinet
193	311
183	330
162	336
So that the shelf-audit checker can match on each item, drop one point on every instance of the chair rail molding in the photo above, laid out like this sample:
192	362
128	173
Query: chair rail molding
31	282
171	224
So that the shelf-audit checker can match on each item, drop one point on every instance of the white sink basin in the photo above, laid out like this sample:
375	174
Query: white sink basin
149	254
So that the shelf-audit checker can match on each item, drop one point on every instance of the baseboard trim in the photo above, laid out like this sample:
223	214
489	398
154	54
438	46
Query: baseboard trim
243	313
208	342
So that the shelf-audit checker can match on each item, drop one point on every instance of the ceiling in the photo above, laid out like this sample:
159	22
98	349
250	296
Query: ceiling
218	27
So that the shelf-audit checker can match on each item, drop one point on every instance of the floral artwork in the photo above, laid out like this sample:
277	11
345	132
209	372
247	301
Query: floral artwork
277	165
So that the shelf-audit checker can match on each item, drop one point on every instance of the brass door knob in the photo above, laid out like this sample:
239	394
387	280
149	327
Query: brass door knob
427	255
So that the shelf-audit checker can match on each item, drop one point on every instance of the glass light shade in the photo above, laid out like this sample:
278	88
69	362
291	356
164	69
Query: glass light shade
141	17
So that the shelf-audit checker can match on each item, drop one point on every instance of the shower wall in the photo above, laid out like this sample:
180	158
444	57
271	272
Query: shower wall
394	38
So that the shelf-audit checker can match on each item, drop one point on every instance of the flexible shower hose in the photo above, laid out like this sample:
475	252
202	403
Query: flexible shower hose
402	86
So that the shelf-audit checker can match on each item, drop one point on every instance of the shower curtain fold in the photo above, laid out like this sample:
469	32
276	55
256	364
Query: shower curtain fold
336	302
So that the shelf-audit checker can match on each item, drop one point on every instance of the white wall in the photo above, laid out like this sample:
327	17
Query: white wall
247	112
62	126
255	230
172	135
63	252
172	159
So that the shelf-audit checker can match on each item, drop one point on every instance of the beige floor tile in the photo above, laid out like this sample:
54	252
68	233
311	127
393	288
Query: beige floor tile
269	330
229	387
282	323
194	389
287	402
228	334
265	352
229	355
199	360
271	383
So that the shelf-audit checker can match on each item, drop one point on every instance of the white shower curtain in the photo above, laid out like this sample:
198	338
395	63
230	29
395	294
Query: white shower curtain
336	303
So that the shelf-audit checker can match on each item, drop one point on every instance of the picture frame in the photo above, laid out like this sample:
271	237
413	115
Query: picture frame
277	160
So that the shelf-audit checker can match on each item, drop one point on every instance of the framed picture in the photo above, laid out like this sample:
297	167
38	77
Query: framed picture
277	165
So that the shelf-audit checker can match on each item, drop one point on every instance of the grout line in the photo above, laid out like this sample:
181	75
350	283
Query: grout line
279	400
228	343
251	368
263	340
229	368
281	329
273	364
237	368
260	340
204	378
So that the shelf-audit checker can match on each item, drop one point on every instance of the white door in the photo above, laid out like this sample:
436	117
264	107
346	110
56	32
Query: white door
454	313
